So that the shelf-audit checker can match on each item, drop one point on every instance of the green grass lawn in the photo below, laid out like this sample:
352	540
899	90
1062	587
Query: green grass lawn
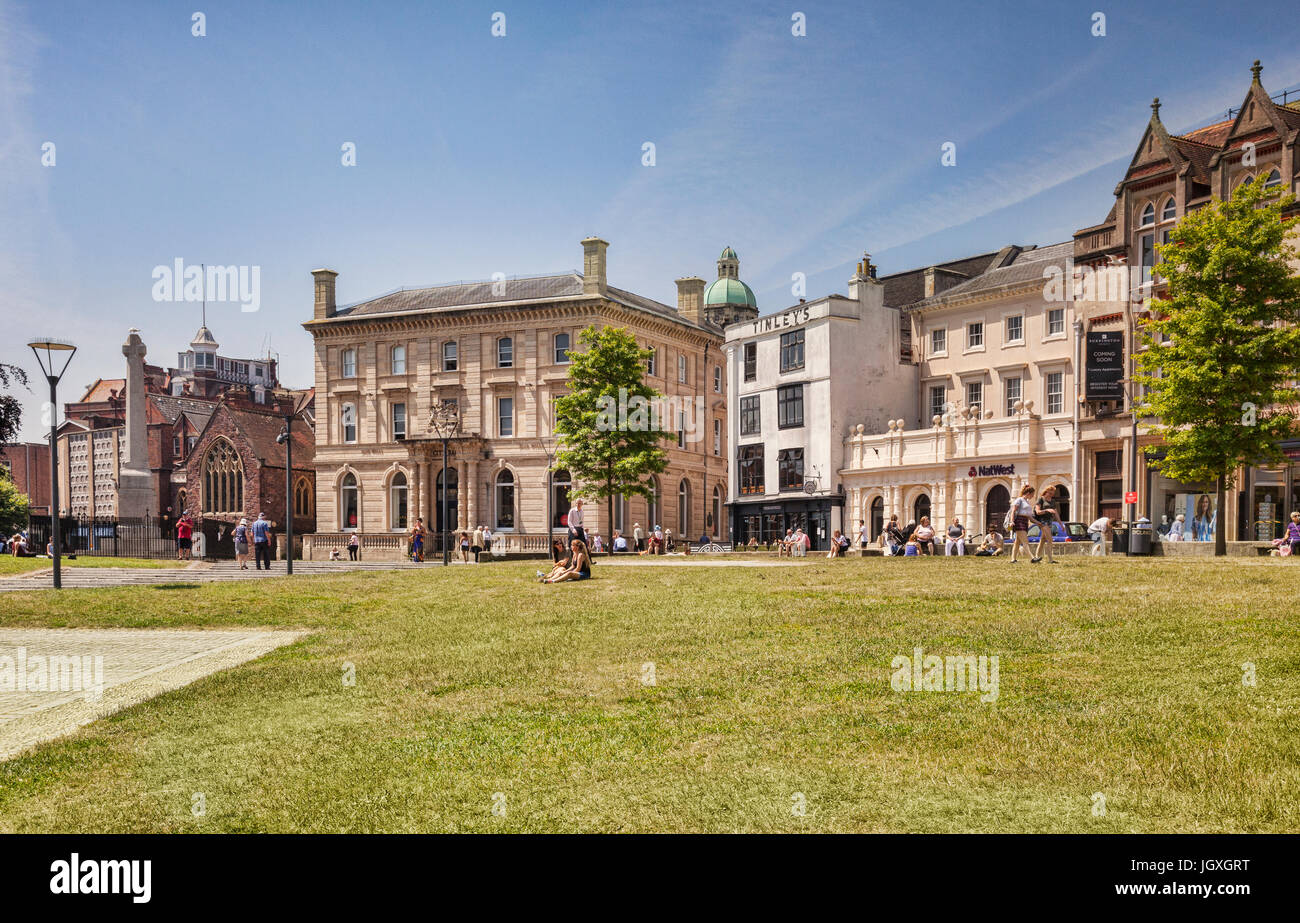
1115	676
9	565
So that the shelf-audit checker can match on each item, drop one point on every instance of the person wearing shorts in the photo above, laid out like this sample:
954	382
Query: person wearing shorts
1021	511
184	538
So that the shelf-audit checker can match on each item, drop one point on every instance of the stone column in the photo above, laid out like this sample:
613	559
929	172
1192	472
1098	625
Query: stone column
135	492
471	480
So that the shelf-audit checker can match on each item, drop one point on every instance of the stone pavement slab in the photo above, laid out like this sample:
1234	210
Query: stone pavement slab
56	680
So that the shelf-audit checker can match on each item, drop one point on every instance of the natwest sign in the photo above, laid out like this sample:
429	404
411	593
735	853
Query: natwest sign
990	471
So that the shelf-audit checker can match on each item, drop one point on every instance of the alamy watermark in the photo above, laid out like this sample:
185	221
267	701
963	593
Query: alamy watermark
637	414
954	673
22	671
179	282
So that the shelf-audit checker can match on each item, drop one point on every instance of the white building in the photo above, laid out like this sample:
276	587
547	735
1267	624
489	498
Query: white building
798	380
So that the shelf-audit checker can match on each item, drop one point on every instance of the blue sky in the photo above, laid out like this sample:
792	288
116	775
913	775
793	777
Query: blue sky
479	154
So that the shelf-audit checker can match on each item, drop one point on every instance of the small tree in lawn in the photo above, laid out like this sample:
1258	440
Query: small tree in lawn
13	506
1224	343
608	439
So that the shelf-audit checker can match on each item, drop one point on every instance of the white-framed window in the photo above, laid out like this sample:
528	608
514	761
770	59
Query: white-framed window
349	502
975	335
681	366
681	429
349	363
1147	252
717	379
1055	321
505	416
652	362
348	419
1012	388
717	437
975	395
561	349
684	509
938	397
397	360
399	420
450	356
505	499
176	446
1015	328
1148	216
938	341
1170	211
505	353
1055	388
397	502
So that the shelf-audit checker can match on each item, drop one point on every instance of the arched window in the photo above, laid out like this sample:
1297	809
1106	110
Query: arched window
716	517
505	500
1274	180
453	510
921	507
653	513
684	508
996	505
397	502
398	360
302	505
349	506
223	479
561	484
1148	216
876	517
561	348
180	498
1170	211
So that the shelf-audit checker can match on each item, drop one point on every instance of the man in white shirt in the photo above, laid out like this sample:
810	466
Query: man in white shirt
575	523
863	534
1098	532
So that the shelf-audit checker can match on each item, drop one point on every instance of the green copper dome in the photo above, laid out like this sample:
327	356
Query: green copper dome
729	291
728	254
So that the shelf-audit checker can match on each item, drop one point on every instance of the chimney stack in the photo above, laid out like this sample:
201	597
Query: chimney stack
929	281
690	299
593	266
864	287
326	306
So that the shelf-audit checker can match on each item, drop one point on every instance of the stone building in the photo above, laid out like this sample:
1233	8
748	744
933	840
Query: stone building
499	350
1169	176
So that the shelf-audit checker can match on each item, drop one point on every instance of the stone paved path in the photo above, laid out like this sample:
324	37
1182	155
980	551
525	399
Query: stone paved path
56	680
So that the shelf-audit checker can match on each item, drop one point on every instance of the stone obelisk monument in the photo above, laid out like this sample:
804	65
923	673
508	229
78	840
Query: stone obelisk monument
135	488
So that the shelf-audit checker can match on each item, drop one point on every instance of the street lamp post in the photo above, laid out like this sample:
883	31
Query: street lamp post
286	439
52	346
445	420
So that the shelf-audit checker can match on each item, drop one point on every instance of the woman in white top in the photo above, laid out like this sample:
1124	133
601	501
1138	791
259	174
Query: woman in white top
1021	512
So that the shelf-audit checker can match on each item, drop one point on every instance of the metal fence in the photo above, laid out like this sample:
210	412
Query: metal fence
148	537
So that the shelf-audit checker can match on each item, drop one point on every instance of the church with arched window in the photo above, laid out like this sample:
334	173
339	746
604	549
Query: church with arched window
237	469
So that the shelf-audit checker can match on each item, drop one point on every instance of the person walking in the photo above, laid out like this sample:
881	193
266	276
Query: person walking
464	547
1045	513
476	545
955	543
262	542
1177	529
894	537
417	541
575	520
863	540
1020	513
241	544
1099	532
638	538
487	540
354	546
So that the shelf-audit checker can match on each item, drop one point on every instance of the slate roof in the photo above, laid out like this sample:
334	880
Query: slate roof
1028	266
905	288
260	430
462	295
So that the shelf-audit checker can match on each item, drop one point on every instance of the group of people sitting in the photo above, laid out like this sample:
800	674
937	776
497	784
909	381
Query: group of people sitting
918	538
573	563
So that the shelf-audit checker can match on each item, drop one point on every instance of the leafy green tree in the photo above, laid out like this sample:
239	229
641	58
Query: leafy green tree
13	505
11	410
609	439
1224	345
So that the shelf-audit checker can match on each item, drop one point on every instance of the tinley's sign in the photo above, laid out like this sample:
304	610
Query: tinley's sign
779	321
989	471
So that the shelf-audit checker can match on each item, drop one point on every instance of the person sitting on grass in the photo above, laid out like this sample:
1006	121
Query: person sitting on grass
991	545
579	565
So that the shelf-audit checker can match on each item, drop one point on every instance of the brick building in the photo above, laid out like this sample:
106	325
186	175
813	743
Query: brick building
28	465
237	468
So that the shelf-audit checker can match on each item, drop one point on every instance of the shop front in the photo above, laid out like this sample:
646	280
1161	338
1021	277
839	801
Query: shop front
766	521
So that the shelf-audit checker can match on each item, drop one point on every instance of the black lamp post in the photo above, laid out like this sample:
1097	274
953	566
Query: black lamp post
445	420
286	439
52	346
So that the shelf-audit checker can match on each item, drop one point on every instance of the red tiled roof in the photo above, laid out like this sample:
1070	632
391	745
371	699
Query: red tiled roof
1211	135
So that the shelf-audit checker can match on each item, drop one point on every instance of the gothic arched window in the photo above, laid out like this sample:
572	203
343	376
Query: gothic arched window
223	479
